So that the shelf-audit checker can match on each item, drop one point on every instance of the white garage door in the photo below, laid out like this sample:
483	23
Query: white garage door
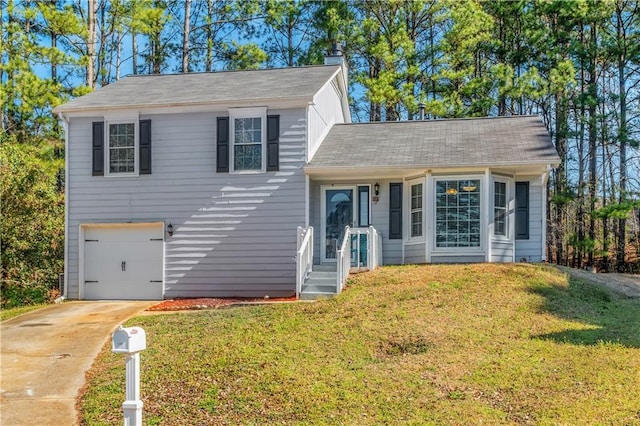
123	261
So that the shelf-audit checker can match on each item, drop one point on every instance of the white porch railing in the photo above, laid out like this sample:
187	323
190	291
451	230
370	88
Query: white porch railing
361	248
304	257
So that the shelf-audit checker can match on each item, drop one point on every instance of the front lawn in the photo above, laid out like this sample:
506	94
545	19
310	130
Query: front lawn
413	345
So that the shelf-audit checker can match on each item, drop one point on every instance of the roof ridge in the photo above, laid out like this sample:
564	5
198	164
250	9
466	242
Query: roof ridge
173	74
436	120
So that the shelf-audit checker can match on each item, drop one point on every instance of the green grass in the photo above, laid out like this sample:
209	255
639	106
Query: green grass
461	344
5	314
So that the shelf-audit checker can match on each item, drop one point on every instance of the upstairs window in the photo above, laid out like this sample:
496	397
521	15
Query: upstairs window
121	148
247	144
121	155
248	134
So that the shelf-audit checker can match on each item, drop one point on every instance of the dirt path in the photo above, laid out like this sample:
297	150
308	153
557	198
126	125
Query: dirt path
625	284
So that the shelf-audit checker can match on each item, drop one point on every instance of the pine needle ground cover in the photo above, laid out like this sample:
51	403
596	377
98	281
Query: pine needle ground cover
428	344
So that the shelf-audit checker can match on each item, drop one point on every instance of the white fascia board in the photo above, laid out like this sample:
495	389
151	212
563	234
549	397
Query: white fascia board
400	172
273	103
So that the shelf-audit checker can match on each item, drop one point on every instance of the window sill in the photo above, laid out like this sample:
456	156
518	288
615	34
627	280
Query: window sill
121	175
458	251
247	172
414	241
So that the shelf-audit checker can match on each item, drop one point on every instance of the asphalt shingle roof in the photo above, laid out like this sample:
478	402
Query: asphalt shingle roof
437	143
205	88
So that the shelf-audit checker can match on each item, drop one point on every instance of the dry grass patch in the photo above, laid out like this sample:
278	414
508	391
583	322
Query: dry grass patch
413	345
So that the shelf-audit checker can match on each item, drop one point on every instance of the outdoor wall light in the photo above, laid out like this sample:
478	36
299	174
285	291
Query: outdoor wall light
170	229
376	189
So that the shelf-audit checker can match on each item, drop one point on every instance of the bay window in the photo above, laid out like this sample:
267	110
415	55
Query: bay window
457	213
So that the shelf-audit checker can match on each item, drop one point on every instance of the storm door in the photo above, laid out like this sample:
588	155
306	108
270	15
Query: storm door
337	212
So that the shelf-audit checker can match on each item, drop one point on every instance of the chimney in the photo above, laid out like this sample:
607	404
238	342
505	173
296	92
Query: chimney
421	107
336	57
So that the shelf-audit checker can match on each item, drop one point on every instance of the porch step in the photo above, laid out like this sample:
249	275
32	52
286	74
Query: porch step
331	267
319	284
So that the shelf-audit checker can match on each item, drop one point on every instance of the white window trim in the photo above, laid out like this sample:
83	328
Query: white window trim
460	251
255	112
507	189
407	207
136	145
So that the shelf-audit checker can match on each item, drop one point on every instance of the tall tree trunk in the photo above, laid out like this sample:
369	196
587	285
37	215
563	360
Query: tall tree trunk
118	54
561	179
54	45
622	134
91	43
593	138
134	52
290	42
209	33
155	41
578	253
606	159
185	36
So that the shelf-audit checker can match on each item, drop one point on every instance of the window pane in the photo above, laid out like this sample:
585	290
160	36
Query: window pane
500	208
416	210
247	157
458	213
122	148
247	150
363	206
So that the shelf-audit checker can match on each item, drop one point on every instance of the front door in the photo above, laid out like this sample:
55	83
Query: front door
337	212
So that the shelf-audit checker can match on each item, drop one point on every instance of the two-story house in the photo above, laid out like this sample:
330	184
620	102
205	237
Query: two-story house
247	183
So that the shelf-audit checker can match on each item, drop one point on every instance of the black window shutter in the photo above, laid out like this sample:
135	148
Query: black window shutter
145	147
98	148
522	210
222	150
273	142
395	211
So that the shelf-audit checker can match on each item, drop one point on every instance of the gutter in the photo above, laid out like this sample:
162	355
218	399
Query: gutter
65	125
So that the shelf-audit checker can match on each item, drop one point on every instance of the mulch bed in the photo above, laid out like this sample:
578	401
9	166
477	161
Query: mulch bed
213	303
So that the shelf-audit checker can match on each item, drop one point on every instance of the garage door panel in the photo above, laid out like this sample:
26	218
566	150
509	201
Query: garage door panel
123	262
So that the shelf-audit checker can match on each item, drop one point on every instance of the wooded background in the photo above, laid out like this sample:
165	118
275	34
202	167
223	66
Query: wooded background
575	63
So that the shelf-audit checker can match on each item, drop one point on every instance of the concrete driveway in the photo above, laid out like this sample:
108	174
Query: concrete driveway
45	355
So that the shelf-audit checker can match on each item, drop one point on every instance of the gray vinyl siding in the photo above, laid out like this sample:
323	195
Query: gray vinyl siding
235	234
531	250
414	253
501	251
391	249
457	259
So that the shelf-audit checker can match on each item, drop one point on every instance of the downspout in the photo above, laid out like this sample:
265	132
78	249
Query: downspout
307	183
545	179
65	126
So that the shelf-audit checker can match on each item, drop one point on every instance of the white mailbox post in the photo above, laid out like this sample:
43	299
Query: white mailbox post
130	341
